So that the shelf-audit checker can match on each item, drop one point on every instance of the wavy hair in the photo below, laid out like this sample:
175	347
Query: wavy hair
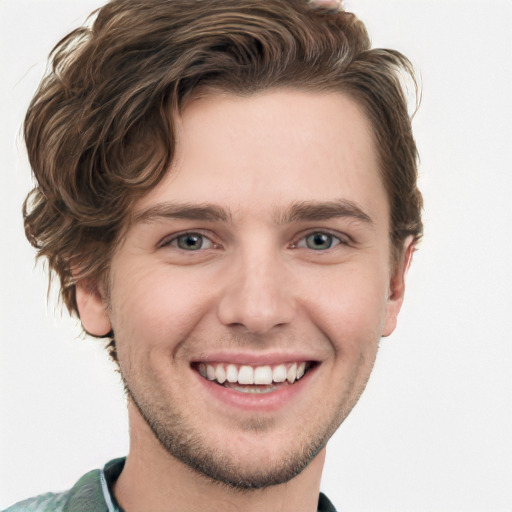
100	130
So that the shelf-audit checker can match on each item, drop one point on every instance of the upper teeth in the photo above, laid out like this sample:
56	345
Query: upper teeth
245	374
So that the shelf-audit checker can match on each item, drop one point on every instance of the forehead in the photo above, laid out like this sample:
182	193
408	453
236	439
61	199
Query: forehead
268	150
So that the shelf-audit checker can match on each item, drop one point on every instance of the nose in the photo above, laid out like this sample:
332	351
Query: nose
258	295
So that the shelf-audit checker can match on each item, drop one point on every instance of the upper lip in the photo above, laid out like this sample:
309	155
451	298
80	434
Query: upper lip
254	359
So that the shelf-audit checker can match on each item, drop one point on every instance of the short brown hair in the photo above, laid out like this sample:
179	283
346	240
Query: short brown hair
100	130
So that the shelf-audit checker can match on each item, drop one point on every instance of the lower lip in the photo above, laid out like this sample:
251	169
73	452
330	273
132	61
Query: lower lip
269	401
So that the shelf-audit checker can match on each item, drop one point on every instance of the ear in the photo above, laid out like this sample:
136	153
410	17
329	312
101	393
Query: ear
93	308
397	286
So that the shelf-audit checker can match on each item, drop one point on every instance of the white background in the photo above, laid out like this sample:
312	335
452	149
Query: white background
434	430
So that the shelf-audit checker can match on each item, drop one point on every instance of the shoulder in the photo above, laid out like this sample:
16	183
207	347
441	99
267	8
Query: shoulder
86	494
49	502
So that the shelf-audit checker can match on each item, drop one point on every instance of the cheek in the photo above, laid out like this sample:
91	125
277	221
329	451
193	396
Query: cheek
351	311
158	309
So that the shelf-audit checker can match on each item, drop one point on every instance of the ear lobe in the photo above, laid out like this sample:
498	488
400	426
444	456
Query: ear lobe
92	308
397	287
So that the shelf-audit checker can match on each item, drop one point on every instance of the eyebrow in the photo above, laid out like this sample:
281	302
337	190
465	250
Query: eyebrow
301	211
314	211
188	211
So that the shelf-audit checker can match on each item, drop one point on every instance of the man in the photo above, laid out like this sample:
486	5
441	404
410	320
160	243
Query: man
227	192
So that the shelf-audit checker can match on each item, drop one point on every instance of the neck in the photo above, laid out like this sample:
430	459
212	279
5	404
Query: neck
154	480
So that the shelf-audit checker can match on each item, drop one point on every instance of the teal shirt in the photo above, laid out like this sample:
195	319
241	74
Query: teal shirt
92	493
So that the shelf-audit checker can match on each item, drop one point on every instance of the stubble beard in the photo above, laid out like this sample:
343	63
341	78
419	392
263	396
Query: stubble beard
177	435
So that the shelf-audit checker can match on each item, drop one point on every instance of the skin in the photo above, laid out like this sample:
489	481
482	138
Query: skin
277	166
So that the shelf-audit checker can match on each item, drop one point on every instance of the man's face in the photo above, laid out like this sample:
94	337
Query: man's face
263	253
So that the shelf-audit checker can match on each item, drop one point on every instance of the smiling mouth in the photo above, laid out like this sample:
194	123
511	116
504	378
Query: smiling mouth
254	378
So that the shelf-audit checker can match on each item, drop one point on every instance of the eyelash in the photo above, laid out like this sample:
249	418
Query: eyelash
337	239
300	244
173	240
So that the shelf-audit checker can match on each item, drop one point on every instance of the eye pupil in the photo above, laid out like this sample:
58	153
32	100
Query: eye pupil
190	242
319	241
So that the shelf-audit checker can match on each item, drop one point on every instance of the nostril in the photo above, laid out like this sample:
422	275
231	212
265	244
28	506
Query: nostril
253	316
257	298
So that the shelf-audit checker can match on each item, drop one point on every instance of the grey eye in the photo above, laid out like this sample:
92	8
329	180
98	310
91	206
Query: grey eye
192	242
319	241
